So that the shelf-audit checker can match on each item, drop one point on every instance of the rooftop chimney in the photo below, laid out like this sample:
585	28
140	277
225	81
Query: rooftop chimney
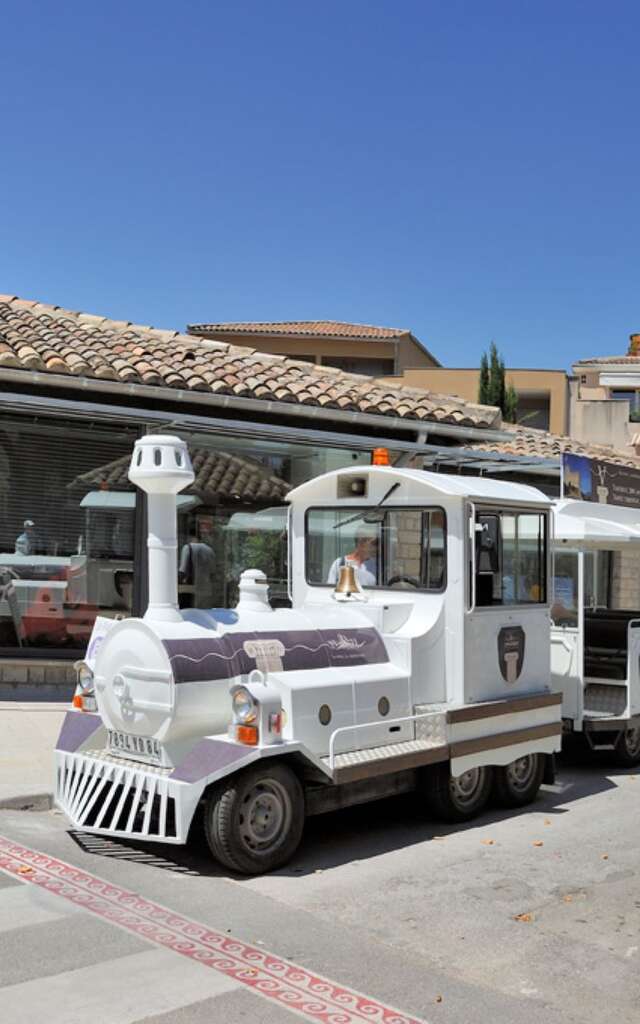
634	345
160	466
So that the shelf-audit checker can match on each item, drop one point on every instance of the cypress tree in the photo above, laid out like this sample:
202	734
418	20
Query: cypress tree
510	403
492	387
483	386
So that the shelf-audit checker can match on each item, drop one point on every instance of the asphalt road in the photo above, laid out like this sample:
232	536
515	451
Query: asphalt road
534	915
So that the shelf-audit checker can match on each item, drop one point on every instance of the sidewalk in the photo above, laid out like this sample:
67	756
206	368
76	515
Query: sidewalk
28	732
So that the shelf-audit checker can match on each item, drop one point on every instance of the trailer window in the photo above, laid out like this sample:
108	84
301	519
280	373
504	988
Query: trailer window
401	549
564	607
510	558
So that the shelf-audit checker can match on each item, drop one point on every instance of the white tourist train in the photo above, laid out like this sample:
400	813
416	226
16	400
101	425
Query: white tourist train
415	657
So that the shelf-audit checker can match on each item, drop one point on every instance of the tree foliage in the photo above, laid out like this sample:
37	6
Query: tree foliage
493	388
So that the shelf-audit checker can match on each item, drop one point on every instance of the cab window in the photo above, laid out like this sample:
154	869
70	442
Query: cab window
403	548
510	558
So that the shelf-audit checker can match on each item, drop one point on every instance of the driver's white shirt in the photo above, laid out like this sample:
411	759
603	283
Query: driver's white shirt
366	577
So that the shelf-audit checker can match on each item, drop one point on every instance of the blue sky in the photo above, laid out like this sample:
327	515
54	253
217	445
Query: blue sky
467	170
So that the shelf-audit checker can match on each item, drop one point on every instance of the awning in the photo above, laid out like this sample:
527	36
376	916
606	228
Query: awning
114	501
588	525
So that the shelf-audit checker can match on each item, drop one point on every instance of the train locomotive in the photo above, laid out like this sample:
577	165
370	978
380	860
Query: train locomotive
406	663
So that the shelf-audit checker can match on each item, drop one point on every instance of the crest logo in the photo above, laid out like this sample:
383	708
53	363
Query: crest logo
511	642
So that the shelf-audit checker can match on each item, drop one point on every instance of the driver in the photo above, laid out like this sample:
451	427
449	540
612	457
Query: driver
363	558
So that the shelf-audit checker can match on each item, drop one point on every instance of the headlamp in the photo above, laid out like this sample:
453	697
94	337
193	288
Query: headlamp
85	678
244	707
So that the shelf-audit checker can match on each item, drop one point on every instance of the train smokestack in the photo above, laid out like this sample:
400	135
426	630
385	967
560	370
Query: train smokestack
161	467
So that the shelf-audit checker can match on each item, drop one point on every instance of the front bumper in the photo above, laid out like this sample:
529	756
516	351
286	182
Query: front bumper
112	796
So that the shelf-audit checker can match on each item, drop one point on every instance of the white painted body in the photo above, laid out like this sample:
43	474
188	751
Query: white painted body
581	527
433	652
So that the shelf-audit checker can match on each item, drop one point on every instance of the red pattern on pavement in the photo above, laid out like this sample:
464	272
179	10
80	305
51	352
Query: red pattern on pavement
294	987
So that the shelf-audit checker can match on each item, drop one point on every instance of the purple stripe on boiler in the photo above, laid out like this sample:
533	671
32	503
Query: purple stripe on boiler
223	657
206	757
76	728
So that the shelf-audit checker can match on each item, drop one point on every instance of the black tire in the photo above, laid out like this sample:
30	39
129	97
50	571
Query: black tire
627	750
518	783
457	799
254	820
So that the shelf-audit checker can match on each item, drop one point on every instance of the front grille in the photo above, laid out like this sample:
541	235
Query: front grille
117	798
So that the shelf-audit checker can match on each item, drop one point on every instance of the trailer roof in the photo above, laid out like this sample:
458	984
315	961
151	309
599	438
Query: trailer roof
421	481
587	524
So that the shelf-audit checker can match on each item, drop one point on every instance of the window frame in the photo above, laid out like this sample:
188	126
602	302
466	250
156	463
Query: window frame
391	508
474	512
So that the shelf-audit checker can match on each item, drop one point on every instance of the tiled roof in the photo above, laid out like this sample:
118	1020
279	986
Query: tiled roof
34	336
218	475
306	328
531	442
598	360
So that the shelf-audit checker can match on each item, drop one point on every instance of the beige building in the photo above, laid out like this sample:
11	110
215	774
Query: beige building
605	399
543	399
354	348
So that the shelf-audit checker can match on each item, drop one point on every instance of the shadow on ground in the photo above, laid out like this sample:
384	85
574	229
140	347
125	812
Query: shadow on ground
368	830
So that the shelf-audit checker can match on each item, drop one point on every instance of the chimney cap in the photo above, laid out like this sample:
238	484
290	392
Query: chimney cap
160	464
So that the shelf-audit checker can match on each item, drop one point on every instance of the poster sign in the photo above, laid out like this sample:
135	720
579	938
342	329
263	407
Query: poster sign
603	482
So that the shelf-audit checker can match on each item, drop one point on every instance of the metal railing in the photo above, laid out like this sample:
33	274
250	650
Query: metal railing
369	725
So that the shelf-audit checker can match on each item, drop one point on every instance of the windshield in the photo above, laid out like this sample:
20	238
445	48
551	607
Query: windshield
402	548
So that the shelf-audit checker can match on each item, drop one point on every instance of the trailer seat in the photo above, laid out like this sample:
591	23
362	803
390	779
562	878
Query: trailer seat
605	643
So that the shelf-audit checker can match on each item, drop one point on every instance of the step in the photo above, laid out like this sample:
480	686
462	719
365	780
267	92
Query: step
383	760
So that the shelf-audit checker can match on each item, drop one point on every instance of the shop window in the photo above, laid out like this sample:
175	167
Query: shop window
67	513
239	517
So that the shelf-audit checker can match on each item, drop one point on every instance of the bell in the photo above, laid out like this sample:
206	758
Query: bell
347	583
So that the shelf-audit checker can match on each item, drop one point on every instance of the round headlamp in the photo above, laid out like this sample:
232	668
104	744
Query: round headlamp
244	706
85	678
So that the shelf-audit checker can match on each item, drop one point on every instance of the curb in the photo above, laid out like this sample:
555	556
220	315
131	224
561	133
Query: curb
32	802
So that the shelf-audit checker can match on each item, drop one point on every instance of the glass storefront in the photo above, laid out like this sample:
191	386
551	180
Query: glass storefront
69	516
239	519
66	532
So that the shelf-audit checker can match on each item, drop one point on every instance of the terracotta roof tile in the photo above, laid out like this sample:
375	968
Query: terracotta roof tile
603	360
34	336
310	328
218	475
532	442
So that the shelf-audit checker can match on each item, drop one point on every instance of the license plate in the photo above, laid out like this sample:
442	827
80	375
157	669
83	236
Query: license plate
142	748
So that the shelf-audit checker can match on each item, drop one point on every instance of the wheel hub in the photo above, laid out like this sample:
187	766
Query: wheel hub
266	814
521	771
632	741
464	787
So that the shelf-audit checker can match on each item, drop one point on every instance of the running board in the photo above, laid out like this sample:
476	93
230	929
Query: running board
394	757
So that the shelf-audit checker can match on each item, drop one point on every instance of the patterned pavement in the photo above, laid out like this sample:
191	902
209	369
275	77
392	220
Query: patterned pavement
128	959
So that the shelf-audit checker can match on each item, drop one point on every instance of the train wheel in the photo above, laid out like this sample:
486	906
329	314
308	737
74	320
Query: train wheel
517	783
254	820
627	752
458	798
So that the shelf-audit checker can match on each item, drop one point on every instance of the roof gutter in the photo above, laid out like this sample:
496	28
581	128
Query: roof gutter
251	405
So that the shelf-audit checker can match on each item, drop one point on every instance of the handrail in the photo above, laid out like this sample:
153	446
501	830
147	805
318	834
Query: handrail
369	725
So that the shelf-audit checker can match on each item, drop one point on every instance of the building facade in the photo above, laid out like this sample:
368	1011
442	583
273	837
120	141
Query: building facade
543	395
354	348
605	399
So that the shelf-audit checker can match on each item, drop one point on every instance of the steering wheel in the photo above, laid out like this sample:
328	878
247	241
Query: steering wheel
404	579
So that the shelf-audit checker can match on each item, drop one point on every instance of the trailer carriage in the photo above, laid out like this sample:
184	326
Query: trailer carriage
595	643
428	673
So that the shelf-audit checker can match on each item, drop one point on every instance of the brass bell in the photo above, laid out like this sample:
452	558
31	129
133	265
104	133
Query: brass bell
347	583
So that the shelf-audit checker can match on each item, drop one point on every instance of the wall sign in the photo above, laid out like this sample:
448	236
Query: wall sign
603	482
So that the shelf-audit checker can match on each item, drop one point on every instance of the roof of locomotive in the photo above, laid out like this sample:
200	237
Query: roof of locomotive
419	483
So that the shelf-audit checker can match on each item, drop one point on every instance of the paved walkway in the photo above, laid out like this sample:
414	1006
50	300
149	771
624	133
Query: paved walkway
28	732
167	963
